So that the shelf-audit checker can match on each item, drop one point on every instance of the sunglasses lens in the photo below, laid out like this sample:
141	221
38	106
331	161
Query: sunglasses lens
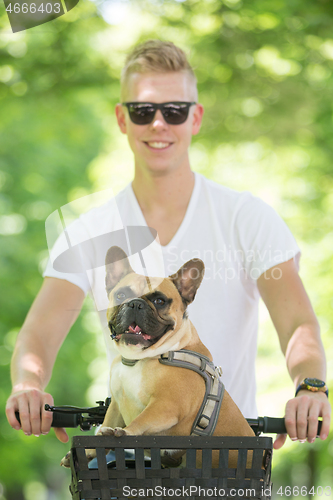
175	114
141	114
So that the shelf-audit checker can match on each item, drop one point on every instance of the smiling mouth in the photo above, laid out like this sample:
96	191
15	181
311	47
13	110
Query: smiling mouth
158	144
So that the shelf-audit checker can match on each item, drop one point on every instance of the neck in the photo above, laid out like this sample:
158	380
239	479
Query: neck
169	191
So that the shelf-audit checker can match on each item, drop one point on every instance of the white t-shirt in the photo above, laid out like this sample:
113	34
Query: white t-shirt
238	237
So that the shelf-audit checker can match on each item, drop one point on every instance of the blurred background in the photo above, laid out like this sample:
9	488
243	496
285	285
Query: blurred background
265	78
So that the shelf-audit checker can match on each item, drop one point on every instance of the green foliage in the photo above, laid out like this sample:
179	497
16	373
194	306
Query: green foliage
265	77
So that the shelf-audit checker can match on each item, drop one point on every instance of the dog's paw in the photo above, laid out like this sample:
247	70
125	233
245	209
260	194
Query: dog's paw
119	432
172	458
90	454
108	431
105	431
65	462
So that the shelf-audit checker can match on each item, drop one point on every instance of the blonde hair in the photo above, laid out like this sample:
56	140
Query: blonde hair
155	56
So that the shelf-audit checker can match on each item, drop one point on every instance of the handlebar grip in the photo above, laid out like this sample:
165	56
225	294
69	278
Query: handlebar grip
61	419
274	425
65	420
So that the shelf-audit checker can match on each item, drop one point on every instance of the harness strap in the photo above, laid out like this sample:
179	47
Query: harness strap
206	419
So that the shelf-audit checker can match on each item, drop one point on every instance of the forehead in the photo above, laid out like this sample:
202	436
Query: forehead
140	286
160	87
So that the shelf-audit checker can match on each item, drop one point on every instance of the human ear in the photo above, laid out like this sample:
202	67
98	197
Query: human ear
121	118
197	118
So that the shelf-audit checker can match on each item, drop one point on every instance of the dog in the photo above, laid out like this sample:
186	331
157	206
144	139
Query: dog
148	318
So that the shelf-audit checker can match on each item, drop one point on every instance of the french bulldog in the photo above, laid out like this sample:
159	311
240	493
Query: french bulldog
147	318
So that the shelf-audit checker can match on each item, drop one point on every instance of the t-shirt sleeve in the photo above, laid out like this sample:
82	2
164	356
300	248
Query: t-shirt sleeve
263	238
65	257
78	279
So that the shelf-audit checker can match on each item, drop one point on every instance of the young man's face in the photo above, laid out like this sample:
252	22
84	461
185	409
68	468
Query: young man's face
160	147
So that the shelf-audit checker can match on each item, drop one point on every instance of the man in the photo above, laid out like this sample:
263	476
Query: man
247	250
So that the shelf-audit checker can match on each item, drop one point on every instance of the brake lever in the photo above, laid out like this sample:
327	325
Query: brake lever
99	410
95	414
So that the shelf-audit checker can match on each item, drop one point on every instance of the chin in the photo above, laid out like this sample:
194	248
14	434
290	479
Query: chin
131	351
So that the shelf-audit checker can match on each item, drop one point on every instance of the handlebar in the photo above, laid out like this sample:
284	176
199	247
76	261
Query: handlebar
272	425
74	416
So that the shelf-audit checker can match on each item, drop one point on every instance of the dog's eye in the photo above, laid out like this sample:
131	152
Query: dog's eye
120	296
158	302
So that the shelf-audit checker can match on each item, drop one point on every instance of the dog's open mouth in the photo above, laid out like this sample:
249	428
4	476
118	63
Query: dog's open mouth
136	330
135	335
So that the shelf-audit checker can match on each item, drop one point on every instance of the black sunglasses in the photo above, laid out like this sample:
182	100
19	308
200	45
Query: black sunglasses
174	113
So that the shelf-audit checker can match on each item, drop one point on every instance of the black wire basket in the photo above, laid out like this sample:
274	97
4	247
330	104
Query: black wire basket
144	477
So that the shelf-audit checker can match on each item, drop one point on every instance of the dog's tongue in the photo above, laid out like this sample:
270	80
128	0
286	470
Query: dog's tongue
133	328
137	329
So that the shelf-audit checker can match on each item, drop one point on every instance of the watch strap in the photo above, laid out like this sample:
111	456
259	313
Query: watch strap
307	387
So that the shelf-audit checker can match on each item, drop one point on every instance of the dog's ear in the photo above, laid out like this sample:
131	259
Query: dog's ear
188	279
117	266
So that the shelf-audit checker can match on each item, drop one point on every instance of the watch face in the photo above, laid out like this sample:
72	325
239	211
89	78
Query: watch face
314	382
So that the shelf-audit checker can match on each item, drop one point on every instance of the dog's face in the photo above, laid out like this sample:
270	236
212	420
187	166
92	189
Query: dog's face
146	316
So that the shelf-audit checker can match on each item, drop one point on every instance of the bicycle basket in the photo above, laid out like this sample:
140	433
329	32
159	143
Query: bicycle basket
148	479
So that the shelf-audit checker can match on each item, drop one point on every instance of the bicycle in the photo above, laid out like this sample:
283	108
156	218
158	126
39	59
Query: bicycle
140	476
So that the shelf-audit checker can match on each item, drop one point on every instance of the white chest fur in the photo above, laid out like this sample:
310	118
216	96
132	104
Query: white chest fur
127	389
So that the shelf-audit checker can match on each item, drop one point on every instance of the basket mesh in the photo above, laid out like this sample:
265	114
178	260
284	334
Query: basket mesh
142	478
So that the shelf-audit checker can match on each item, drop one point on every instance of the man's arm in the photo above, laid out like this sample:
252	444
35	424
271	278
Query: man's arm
51	316
296	324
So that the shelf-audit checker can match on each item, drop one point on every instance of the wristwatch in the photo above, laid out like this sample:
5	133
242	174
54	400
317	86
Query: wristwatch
312	384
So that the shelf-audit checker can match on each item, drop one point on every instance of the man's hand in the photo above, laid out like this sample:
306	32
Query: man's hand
34	419
51	316
299	336
301	417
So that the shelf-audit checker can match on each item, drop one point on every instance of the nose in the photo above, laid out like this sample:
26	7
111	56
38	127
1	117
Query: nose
136	303
158	122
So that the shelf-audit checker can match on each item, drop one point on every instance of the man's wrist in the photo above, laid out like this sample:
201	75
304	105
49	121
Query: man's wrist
26	386
313	385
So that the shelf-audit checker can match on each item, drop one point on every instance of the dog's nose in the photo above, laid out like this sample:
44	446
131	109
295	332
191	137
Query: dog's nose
136	303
